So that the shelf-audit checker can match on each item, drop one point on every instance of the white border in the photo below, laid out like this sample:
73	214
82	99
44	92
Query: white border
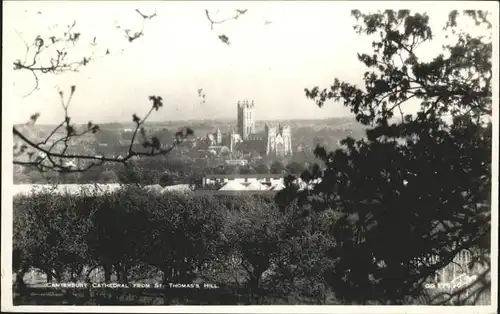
7	177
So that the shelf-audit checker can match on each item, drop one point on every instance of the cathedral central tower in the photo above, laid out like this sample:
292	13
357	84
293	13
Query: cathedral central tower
246	118
275	140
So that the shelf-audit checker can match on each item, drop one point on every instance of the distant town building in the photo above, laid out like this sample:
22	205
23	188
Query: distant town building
218	137
237	162
215	139
243	178
70	164
211	139
253	182
234	139
279	141
219	150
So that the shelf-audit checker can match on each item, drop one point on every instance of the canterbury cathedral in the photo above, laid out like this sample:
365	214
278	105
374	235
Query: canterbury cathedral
274	140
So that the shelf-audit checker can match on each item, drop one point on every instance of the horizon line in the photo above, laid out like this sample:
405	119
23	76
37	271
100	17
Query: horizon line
194	120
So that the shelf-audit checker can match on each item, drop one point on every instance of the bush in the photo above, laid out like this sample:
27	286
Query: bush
129	234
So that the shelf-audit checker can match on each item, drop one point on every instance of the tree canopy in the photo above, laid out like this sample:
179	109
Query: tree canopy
416	191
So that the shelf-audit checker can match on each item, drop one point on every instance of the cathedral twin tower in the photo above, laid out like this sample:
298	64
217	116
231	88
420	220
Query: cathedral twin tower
277	140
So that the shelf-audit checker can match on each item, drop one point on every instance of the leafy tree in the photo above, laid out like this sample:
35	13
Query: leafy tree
304	255
414	193
165	136
261	168
295	168
184	236
92	175
129	175
70	178
277	167
109	176
107	137
50	234
253	234
247	170
232	169
119	246
167	179
28	176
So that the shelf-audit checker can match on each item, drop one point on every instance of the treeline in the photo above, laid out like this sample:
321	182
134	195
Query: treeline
236	242
158	171
256	249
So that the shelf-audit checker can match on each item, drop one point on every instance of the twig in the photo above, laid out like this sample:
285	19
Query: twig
59	46
234	17
140	33
25	43
398	105
48	162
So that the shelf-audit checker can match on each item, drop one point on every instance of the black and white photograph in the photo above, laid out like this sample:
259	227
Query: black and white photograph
242	157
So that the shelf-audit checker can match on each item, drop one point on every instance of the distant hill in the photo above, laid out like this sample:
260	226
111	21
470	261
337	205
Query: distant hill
202	127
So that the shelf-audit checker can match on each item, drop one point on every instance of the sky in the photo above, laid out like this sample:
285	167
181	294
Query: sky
307	44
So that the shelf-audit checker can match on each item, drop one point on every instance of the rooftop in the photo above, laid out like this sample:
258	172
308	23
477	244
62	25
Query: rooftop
243	176
201	192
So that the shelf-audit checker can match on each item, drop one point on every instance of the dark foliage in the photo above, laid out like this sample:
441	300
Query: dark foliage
415	193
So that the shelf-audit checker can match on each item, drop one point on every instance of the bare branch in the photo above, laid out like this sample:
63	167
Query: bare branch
223	37
214	22
25	44
46	158
133	36
50	54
